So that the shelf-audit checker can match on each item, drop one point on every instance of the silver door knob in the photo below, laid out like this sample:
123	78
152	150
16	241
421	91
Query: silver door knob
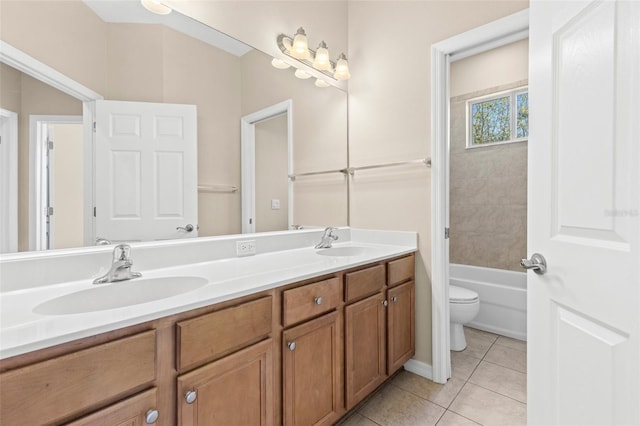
191	397
318	300
291	346
537	263
151	416
188	228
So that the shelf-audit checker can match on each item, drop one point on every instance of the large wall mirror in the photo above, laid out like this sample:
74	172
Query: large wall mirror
133	58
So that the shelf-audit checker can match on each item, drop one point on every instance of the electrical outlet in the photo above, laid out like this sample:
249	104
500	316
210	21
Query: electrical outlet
246	248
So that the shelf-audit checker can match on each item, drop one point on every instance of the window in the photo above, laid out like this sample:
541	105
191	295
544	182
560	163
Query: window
498	118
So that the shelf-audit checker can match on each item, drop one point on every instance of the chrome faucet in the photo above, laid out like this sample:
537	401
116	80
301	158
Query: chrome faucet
327	238
121	266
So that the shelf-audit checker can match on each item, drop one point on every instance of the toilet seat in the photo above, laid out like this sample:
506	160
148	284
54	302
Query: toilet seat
462	295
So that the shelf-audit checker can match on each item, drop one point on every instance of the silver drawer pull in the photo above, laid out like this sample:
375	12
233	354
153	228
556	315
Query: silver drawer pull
191	397
318	300
151	416
291	346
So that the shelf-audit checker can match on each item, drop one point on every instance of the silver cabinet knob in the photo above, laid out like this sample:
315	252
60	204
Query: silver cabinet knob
291	346
318	300
394	299
191	397
188	228
151	416
537	263
385	303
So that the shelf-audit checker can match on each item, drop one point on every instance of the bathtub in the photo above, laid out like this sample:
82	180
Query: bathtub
503	298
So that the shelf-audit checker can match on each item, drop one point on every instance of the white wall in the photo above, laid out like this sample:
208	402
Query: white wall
389	117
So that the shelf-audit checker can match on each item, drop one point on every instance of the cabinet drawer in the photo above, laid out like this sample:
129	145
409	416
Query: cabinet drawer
310	300
363	283
131	411
400	270
217	334
54	390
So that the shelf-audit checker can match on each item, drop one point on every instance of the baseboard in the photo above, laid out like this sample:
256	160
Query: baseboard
420	368
498	330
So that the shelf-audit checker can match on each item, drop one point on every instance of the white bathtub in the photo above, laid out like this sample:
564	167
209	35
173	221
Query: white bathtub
503	298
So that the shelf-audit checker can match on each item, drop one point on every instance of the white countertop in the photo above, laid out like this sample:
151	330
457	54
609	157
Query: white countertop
22	330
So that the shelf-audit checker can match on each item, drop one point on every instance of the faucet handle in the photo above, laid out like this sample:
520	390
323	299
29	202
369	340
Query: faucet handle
121	252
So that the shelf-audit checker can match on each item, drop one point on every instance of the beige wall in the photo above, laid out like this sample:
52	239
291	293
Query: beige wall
389	117
272	181
319	136
68	200
27	96
488	191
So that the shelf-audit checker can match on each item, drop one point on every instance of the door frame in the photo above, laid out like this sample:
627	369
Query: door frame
248	160
39	181
31	66
498	33
9	188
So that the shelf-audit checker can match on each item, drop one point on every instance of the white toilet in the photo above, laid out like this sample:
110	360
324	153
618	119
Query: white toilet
464	305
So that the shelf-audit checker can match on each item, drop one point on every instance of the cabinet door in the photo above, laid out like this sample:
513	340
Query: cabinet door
137	410
235	390
311	372
365	347
401	326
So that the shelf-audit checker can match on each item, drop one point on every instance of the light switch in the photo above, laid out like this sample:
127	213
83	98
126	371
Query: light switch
275	204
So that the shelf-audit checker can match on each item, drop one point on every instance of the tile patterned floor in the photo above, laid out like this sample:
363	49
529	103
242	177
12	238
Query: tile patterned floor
488	387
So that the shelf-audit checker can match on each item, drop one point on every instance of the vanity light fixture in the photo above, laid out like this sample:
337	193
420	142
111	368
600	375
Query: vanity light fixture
321	83
302	74
297	48
280	64
156	7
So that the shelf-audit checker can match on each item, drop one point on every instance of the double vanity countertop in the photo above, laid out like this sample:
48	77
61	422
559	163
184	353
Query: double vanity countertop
28	320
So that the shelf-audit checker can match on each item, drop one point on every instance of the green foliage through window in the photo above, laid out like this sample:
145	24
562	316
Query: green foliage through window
499	119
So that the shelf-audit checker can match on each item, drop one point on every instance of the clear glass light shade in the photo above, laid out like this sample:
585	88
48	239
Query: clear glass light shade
302	74
321	60
322	83
300	47
280	64
156	7
342	68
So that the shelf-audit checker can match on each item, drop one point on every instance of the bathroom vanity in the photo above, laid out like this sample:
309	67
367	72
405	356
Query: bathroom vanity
302	345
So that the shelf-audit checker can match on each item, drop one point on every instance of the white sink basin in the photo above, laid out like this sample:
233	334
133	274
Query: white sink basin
120	294
342	251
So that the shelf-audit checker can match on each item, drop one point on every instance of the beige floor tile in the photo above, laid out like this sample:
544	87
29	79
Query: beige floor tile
442	395
357	419
502	380
512	343
489	408
478	342
462	365
452	419
507	357
397	407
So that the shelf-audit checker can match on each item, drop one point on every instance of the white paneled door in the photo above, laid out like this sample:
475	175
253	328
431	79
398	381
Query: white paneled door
145	171
584	213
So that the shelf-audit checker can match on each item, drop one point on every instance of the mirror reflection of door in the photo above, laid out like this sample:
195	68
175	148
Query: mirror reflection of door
272	180
65	188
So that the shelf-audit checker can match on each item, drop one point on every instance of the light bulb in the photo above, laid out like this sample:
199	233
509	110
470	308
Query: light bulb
280	64
321	61
301	74
321	83
299	47
342	68
156	7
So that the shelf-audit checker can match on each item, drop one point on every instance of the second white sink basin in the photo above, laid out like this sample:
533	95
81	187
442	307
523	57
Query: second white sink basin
342	251
120	294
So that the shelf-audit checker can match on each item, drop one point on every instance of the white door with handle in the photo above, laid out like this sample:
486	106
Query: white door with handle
584	190
145	171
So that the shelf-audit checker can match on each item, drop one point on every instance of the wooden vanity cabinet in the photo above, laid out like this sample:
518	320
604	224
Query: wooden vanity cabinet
401	326
133	411
235	390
